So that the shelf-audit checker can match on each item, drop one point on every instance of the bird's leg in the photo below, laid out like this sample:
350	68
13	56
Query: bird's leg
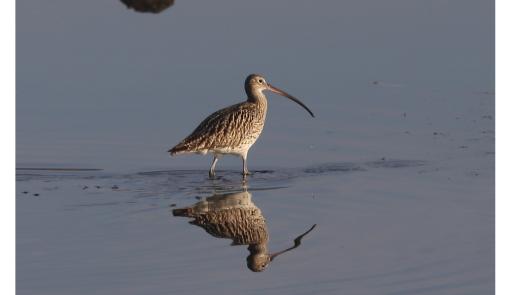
212	169
245	169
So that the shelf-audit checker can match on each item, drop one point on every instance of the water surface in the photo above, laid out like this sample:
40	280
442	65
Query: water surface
396	170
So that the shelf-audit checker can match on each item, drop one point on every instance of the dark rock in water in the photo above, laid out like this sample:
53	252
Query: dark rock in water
97	186
153	6
115	187
85	187
25	192
173	205
36	195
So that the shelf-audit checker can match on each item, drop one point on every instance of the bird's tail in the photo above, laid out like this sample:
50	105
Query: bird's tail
186	212
178	149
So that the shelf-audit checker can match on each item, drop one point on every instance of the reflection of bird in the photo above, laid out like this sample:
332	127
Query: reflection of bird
154	6
234	216
233	130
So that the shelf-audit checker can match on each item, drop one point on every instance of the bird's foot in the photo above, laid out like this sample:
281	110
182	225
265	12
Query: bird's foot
211	174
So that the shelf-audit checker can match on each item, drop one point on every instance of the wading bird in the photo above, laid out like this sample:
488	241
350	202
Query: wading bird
234	129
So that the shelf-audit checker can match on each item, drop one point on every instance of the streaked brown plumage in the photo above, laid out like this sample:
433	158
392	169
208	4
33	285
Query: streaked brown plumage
233	130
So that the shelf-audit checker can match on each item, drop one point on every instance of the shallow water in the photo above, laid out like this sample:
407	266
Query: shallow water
387	227
396	170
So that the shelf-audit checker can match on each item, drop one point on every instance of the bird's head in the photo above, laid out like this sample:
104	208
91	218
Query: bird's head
255	84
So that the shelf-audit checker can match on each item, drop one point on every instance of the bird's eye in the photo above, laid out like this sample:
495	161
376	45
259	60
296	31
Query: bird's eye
260	80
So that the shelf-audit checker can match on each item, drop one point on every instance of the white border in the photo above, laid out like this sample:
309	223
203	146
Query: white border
505	147
7	123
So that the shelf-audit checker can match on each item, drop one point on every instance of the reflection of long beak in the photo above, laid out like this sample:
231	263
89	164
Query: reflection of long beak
296	244
279	91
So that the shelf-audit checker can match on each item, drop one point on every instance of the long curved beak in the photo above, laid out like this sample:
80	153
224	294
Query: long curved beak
283	93
296	243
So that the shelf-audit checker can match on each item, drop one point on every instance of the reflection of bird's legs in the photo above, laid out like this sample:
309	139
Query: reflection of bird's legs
212	169
245	169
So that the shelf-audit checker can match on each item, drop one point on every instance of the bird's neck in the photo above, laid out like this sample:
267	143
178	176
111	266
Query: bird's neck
256	96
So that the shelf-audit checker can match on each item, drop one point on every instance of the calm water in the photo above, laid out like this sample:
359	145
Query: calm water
396	170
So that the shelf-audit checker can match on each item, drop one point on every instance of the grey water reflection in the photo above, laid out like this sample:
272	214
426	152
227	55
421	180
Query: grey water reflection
234	216
153	6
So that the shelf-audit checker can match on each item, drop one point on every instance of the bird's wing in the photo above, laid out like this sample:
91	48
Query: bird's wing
227	127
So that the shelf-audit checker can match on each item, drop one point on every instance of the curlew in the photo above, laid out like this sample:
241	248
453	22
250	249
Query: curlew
234	129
